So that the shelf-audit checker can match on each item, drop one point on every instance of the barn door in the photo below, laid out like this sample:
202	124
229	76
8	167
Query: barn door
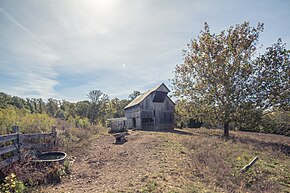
134	123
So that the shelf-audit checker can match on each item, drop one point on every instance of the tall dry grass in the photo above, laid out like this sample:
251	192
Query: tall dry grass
217	161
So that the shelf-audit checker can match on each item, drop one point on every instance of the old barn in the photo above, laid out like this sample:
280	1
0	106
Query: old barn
153	110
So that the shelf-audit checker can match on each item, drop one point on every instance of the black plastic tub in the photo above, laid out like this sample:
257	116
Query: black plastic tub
51	157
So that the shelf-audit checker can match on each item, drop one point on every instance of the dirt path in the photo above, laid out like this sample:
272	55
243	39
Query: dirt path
148	162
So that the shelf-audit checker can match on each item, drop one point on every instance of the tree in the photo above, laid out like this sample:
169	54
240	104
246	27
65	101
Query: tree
272	78
271	85
18	102
120	107
68	108
95	96
52	107
134	94
41	105
83	108
4	100
183	112
215	75
98	107
31	105
116	107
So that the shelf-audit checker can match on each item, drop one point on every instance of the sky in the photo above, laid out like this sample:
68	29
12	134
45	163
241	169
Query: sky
65	48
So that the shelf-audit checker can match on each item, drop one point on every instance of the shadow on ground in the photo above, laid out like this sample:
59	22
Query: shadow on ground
180	132
257	144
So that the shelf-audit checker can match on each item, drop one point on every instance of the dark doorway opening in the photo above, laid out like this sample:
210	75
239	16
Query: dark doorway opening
134	123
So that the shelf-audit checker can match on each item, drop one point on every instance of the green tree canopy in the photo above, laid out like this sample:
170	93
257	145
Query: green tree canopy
134	94
221	78
272	78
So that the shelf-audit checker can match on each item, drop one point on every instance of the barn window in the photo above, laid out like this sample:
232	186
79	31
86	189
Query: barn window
159	97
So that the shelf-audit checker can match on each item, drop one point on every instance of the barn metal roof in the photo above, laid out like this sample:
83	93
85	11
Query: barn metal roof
141	97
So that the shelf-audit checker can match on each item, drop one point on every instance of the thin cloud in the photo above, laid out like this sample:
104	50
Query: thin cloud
29	63
12	19
113	46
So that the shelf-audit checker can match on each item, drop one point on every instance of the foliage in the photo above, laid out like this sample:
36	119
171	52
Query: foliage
36	116
224	84
117	107
185	115
272	78
11	184
82	113
83	108
277	122
99	102
102	108
29	123
134	94
52	107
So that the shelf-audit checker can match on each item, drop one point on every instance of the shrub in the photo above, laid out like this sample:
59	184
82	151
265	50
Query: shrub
28	123
11	184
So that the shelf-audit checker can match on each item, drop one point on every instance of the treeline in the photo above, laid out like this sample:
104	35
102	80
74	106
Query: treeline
96	110
275	121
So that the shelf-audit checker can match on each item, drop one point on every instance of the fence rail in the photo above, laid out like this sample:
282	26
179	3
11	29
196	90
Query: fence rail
13	143
9	137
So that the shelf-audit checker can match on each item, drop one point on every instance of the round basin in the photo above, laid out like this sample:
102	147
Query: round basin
50	157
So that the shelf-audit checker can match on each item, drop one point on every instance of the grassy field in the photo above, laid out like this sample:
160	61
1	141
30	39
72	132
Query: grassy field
188	160
216	162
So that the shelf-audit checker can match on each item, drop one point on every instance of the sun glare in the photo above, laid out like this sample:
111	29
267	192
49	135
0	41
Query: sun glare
103	4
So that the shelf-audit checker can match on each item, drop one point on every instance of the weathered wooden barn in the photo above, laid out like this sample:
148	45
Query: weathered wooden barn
152	110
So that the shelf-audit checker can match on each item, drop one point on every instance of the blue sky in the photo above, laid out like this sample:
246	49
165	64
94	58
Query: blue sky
65	48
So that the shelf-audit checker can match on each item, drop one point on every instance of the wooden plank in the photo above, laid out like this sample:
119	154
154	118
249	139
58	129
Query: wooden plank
248	166
8	161
32	145
9	137
7	149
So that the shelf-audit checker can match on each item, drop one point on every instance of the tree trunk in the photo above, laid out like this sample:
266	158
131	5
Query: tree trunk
226	129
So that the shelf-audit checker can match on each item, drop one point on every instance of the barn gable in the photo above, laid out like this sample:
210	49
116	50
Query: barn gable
152	110
161	91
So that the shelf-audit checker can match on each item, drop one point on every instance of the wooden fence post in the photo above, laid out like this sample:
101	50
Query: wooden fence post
53	136
16	142
15	129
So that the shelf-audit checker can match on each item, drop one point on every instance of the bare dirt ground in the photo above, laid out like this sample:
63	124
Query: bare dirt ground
148	162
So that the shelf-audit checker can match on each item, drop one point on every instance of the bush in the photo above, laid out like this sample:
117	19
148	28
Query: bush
276	122
11	184
28	123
